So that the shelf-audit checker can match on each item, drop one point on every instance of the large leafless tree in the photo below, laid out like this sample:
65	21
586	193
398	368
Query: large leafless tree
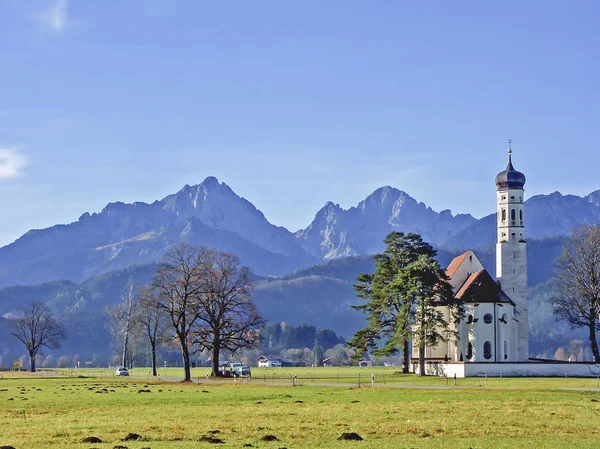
179	284
578	277
228	317
35	327
151	318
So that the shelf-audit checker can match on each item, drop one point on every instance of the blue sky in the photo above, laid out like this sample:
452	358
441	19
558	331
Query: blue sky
291	104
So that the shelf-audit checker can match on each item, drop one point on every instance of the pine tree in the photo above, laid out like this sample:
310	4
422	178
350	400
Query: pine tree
407	287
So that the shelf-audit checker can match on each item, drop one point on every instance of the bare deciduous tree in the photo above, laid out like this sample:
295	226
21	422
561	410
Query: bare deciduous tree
122	322
151	318
37	328
178	284
578	277
228	318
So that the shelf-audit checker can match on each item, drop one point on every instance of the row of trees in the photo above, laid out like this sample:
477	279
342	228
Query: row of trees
199	300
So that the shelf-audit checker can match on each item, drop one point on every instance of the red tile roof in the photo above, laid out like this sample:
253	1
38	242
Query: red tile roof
456	262
480	287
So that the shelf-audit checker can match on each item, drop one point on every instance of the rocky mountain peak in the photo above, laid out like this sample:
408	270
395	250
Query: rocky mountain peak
211	213
593	197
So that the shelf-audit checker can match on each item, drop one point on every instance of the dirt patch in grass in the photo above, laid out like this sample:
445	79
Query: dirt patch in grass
269	438
91	439
352	436
132	437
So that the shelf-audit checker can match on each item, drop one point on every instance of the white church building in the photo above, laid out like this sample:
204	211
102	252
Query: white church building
493	335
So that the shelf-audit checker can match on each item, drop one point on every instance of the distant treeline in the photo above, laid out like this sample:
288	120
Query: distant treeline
285	336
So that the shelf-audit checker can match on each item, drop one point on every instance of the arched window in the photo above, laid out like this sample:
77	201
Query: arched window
512	214
505	349
487	350
488	318
503	214
469	351
521	215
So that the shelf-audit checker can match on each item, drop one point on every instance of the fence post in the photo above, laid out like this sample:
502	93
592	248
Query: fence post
372	380
454	379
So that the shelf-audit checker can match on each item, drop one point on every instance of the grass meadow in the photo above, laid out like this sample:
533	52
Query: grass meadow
59	412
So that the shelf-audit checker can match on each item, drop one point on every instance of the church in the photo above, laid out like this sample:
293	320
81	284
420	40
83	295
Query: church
495	324
493	335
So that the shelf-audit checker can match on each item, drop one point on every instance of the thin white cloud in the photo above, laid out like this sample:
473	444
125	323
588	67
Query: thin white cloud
12	163
56	17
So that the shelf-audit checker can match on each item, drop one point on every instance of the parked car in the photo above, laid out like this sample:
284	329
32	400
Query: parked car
229	369
121	371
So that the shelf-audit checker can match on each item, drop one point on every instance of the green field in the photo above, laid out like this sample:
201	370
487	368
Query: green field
58	412
384	376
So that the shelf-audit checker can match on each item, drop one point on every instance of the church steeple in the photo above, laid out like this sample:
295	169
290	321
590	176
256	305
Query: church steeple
511	249
510	178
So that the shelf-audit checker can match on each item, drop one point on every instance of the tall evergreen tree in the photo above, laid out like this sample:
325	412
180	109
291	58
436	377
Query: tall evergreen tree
406	280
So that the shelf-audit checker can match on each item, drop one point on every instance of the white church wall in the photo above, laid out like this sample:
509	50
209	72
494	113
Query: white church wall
484	333
474	330
516	369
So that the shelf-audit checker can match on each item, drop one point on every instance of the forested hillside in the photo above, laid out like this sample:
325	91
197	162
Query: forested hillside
321	295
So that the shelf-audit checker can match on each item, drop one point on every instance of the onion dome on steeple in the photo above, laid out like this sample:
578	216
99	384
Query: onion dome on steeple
510	178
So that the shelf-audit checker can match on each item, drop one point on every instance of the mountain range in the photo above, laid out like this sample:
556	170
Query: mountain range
212	214
81	268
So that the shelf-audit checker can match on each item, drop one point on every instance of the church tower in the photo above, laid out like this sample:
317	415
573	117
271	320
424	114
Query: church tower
511	250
